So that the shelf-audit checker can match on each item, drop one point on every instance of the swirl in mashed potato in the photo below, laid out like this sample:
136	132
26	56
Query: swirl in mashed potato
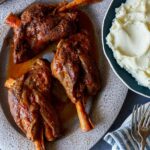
129	39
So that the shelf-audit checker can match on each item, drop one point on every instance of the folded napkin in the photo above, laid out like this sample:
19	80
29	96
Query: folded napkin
121	139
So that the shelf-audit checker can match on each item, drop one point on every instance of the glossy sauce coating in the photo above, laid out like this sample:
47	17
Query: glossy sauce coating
63	106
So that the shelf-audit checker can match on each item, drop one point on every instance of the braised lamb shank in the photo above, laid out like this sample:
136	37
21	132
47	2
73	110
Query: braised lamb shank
29	100
38	25
74	66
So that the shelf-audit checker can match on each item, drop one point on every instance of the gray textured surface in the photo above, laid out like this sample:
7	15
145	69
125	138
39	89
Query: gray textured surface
105	108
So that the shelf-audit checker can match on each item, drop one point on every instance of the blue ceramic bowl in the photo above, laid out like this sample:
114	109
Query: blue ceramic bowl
123	75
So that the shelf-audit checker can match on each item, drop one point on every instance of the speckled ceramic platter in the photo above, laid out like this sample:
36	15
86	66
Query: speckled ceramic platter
105	107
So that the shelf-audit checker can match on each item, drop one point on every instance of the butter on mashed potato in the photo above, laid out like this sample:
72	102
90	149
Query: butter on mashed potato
129	39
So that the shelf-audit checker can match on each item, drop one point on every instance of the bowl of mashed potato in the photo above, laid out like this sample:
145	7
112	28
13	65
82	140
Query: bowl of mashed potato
126	42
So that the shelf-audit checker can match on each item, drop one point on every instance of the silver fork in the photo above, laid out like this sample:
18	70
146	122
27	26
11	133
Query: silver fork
136	116
144	127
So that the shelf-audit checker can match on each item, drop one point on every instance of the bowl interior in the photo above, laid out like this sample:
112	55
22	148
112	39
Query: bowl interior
126	78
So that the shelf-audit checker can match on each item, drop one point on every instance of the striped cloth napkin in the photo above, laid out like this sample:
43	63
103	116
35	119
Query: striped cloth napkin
121	139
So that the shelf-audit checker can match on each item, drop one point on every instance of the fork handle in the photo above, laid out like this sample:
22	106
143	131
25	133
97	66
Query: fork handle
143	143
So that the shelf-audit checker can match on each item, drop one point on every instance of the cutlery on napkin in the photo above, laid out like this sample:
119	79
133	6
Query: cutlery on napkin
122	139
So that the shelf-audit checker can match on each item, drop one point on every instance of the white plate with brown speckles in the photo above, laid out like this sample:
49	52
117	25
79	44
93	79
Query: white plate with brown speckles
105	107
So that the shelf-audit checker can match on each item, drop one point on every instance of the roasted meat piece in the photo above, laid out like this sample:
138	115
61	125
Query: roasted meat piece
38	25
74	66
30	104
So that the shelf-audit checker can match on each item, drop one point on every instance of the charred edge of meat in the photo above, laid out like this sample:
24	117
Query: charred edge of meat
29	101
40	25
74	66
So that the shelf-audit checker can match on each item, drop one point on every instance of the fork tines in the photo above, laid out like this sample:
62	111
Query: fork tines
145	121
140	119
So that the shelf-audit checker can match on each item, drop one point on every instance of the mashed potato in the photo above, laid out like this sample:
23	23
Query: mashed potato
129	39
